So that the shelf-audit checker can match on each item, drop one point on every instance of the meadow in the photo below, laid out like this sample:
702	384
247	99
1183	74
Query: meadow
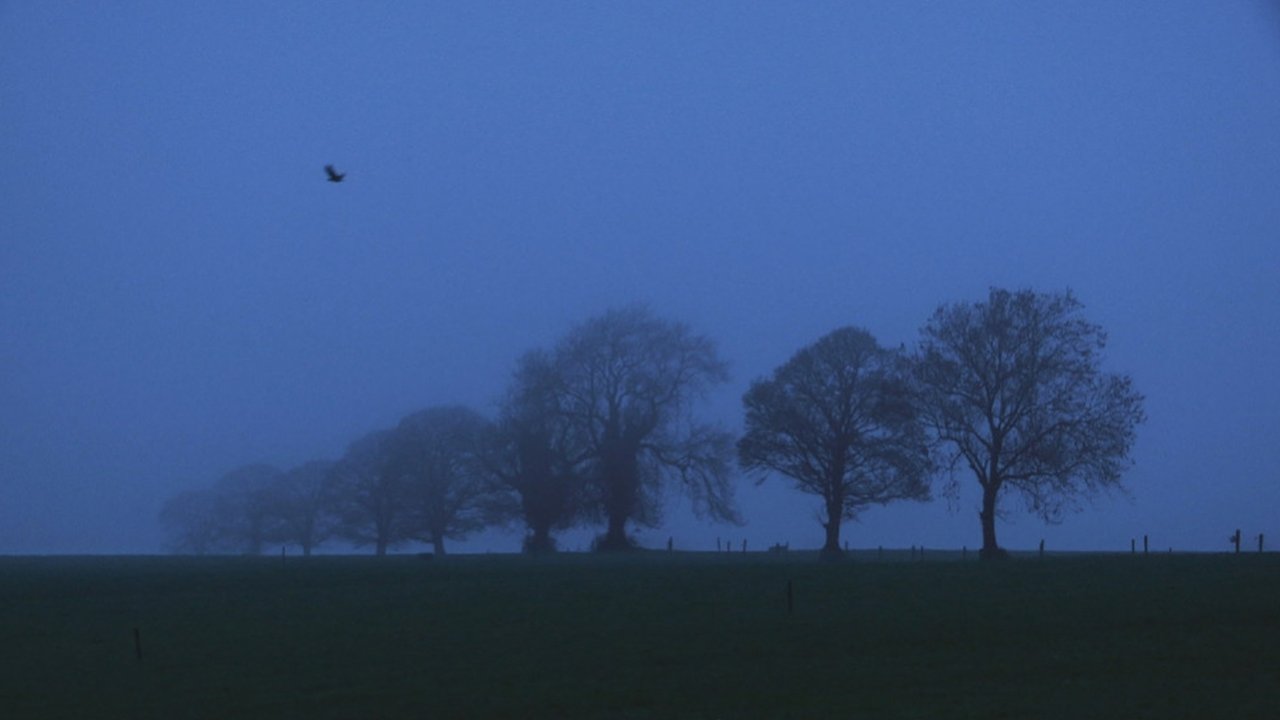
649	635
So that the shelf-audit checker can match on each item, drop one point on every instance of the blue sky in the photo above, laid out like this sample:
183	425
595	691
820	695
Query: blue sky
183	292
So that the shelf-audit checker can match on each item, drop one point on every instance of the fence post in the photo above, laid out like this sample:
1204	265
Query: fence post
1042	548
1144	544
1133	546
1235	539
1259	542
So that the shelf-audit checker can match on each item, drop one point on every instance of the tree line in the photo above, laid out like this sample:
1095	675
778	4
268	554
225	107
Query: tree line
1008	391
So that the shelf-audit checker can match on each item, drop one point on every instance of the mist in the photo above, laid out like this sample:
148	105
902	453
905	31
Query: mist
184	293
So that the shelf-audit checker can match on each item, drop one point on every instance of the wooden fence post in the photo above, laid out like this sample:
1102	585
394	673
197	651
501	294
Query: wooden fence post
1133	546
1041	548
1144	544
1235	539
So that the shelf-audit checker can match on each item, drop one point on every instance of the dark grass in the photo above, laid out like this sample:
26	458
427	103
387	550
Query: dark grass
649	635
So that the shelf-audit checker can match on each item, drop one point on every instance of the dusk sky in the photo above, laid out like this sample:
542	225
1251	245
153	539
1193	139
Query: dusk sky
182	292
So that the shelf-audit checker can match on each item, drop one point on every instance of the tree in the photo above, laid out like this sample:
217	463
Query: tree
626	384
370	499
437	453
243	506
1013	387
838	420
300	505
192	523
532	452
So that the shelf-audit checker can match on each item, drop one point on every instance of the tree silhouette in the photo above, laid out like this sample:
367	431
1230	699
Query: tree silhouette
627	383
1013	388
837	419
300	505
370	499
243	500
436	454
532	451
192	523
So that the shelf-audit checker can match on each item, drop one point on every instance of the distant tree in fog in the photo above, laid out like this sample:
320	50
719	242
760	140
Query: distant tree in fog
370	499
531	450
243	500
436	454
192	524
1013	388
838	420
627	383
300	503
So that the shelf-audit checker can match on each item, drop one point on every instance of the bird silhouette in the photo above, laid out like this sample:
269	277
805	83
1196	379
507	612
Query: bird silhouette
334	175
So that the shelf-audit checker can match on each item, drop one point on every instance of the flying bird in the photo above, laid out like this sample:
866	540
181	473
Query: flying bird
334	175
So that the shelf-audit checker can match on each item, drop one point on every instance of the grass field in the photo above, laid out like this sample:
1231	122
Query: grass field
651	635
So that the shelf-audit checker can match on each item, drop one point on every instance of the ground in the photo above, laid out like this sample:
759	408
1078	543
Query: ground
648	635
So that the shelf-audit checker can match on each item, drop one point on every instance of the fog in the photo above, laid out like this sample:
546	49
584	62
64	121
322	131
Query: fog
182	292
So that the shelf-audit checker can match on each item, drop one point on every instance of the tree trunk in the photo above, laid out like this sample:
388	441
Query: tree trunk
620	485
539	540
619	501
835	513
615	538
990	550
307	537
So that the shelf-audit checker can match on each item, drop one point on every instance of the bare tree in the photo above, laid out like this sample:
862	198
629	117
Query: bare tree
1013	388
437	454
838	420
192	523
370	499
300	505
627	383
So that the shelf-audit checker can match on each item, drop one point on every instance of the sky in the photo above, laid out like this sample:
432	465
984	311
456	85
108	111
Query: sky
182	292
